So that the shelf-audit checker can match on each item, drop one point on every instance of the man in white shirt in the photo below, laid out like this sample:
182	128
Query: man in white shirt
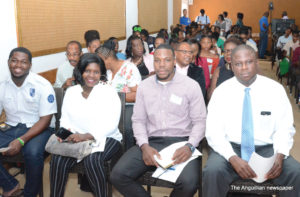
202	19
29	103
228	22
292	43
64	76
282	40
249	113
243	34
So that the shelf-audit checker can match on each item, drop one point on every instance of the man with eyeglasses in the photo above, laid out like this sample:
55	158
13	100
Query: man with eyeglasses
185	66
248	114
64	76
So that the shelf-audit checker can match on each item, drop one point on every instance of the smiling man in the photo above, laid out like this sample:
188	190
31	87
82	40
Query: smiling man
64	76
169	108
29	103
249	113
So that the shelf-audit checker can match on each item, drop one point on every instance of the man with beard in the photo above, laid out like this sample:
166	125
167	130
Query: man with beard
64	76
29	103
169	108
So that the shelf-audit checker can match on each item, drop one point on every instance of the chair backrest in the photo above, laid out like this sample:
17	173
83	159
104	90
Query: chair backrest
59	94
122	96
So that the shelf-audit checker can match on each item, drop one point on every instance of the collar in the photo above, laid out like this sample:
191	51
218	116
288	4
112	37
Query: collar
28	80
169	82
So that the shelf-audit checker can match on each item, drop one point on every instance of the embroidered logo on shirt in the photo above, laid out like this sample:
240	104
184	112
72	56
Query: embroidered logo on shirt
32	92
51	98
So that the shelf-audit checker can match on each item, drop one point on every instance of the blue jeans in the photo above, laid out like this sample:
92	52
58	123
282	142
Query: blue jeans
33	152
263	44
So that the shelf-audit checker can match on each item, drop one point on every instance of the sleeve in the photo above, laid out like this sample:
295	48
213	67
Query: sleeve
215	125
65	121
149	59
197	113
58	82
47	103
107	121
133	76
278	42
284	128
139	118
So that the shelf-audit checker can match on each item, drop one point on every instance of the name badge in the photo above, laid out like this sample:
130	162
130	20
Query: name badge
175	99
209	60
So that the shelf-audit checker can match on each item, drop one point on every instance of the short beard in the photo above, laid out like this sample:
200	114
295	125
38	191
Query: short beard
165	78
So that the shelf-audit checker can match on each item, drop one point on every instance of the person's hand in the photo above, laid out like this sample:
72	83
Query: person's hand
242	167
181	155
276	169
148	155
14	148
68	82
76	137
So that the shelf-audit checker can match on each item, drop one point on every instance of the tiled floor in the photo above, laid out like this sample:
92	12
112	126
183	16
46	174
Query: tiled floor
74	191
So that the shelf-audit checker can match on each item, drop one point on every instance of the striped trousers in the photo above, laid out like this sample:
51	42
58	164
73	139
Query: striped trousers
94	166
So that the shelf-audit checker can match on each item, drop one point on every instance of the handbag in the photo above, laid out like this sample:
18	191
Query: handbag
75	150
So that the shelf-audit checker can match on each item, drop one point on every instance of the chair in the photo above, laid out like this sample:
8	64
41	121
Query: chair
19	159
79	167
240	187
146	178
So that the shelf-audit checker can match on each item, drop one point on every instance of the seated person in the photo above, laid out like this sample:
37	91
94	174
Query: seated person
64	75
155	116
244	35
215	49
119	54
207	60
292	43
223	73
91	111
237	107
184	64
92	39
158	41
282	40
135	53
122	75
148	39
178	33
221	23
136	31
29	103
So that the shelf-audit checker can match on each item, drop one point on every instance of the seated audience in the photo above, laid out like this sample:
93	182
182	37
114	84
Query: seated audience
163	92
184	58
158	41
92	39
135	53
64	75
119	54
221	23
177	33
91	111
122	75
136	31
207	60
253	115
225	72
292	43
29	103
148	39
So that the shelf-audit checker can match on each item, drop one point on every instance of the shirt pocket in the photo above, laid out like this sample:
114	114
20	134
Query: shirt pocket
31	105
266	121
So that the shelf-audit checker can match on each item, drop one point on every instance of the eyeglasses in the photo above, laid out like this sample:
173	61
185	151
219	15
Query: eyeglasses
185	52
72	55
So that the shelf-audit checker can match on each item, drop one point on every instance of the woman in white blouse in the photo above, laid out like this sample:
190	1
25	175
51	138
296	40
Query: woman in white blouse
122	75
91	110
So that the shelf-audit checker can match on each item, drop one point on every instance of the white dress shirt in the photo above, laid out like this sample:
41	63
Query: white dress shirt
64	72
182	70
290	44
98	115
224	119
282	40
26	104
228	24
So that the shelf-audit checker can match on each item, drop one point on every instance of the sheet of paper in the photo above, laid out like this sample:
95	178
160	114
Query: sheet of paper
261	166
167	153
2	150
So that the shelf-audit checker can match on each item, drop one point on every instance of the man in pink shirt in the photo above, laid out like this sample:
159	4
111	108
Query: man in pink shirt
169	108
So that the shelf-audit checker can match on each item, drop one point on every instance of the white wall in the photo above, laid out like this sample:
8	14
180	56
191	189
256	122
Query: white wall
8	38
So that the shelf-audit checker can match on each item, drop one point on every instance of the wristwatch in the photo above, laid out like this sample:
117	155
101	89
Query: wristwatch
191	147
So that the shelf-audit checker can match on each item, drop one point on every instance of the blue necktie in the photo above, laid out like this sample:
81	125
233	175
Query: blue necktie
247	144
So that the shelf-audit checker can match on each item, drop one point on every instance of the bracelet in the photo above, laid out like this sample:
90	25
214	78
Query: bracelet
21	141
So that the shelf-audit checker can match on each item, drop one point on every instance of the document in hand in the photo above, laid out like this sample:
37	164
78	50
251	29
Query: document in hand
261	166
164	172
2	150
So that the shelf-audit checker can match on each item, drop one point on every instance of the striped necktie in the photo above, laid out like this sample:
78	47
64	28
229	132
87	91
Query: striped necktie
247	143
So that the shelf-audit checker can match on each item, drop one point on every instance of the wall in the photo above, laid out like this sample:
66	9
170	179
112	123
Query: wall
8	38
253	10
